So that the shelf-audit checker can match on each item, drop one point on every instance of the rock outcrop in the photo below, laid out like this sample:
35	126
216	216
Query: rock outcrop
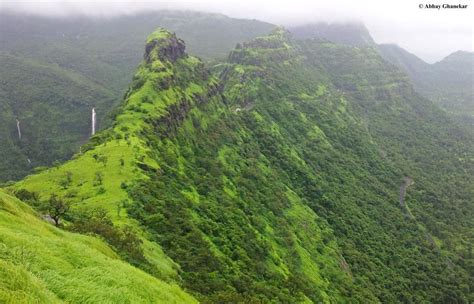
164	46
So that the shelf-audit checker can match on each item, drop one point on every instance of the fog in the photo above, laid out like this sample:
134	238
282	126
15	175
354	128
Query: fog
431	34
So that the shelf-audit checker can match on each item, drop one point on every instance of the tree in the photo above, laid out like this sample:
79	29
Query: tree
98	178
57	208
103	159
66	181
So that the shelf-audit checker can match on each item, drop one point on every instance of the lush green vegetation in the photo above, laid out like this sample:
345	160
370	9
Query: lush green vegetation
274	179
43	264
89	62
447	83
53	107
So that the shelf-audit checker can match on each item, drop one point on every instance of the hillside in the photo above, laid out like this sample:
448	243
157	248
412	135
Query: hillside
448	83
276	177
43	264
89	63
50	105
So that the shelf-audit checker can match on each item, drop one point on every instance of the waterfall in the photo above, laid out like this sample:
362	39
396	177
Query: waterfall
29	161
93	121
18	128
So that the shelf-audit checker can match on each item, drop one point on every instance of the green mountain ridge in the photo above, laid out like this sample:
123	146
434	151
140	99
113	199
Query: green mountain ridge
89	62
275	178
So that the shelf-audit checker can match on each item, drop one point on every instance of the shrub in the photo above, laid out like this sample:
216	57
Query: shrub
123	239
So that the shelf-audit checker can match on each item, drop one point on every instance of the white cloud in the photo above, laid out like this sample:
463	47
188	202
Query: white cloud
429	33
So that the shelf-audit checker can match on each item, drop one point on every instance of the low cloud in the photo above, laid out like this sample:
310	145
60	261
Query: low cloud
429	33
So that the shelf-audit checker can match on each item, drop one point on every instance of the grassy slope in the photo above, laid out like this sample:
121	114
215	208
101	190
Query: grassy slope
84	194
42	264
111	194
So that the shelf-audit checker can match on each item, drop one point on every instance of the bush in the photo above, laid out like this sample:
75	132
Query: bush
29	197
123	239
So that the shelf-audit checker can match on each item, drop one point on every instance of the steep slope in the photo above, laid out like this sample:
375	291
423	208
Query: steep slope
448	82
278	181
399	133
231	243
43	264
88	62
420	141
49	104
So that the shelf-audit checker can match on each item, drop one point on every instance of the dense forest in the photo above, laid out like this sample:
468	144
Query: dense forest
295	170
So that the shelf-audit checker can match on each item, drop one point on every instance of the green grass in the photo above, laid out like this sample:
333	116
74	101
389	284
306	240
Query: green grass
42	264
158	35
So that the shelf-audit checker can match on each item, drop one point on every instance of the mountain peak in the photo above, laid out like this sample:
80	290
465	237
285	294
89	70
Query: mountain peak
275	46
165	46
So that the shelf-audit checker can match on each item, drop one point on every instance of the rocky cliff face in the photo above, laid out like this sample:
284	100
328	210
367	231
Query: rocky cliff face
164	47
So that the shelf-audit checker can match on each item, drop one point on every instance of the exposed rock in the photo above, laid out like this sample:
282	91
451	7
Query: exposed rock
168	48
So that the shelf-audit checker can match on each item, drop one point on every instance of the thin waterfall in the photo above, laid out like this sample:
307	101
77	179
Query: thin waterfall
93	121
18	128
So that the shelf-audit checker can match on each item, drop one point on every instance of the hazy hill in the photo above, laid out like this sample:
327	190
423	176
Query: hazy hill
350	33
448	82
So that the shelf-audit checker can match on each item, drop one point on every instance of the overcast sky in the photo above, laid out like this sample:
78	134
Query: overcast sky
429	33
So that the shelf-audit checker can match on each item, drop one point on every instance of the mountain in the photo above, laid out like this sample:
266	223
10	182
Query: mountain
448	82
349	33
294	171
88	62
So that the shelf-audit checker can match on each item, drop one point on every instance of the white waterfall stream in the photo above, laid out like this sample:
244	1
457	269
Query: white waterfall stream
18	128
93	121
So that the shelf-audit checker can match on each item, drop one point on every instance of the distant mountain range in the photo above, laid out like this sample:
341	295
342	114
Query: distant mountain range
448	82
